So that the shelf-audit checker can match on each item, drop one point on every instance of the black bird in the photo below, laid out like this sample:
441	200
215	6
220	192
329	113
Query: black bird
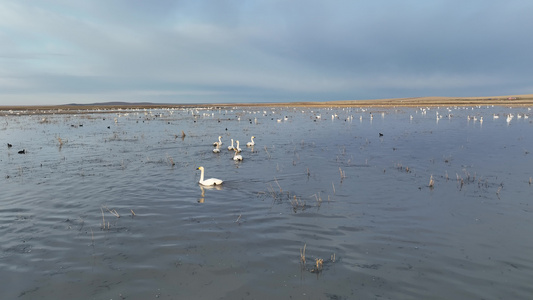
380	134
9	145
23	151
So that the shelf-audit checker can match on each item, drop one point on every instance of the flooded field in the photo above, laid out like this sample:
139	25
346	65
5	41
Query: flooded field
407	203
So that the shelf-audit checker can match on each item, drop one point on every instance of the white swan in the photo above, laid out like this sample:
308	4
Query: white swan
250	144
217	149
219	142
210	181
237	157
231	147
238	148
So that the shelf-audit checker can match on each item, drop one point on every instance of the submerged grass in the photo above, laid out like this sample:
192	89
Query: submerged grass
318	265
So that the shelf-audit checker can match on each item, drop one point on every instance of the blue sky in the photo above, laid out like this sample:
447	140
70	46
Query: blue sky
63	51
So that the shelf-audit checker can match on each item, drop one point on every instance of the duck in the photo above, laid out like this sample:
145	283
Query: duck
250	144
219	143
237	157
238	148
208	182
231	147
23	151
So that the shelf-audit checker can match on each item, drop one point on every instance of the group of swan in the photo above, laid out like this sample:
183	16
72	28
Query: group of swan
236	157
231	147
238	148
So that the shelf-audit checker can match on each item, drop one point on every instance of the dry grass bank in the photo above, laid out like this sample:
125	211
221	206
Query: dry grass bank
511	100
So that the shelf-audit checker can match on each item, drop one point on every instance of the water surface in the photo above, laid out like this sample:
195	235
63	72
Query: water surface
351	185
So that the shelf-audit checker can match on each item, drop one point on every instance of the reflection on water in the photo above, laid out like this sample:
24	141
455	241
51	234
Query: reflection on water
207	187
349	185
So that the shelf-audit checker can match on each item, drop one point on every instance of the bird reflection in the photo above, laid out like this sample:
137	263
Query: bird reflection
207	187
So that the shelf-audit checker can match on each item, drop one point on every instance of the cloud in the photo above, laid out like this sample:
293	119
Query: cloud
219	51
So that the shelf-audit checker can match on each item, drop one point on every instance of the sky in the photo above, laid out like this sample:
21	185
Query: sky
231	51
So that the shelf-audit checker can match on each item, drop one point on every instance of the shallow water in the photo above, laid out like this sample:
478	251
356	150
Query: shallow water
359	201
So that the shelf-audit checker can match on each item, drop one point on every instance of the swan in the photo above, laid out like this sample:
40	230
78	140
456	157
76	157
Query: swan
210	181
237	157
231	147
238	148
219	142
250	144
217	149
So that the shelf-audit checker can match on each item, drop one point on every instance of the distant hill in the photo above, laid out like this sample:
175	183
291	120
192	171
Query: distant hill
115	103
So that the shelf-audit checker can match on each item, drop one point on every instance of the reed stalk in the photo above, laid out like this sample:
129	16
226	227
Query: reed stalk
113	212
319	264
103	218
269	157
276	180
343	174
302	255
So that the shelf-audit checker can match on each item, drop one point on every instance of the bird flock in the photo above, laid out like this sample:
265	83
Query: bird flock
236	157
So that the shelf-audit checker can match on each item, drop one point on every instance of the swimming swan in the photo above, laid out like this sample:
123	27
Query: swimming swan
231	147
210	181
219	143
238	148
237	157
250	144
217	149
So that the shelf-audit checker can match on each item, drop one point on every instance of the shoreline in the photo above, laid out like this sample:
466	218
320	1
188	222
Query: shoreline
515	100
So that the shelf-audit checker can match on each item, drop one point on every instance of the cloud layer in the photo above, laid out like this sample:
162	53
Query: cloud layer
61	51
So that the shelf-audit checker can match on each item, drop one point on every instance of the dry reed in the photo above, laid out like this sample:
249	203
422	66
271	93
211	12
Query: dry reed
280	190
269	157
318	199
343	174
319	264
297	204
302	255
103	218
113	212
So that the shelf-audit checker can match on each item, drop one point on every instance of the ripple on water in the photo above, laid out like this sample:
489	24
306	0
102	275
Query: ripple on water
334	186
